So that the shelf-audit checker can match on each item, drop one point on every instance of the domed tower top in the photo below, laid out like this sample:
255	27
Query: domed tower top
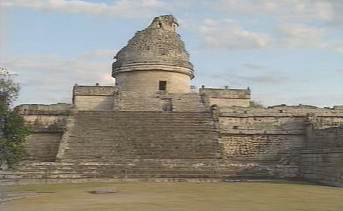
156	48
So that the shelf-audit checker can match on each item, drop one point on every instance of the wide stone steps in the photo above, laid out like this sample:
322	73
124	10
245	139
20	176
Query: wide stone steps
106	144
110	135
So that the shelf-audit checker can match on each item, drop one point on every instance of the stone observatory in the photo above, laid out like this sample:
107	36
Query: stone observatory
155	59
152	125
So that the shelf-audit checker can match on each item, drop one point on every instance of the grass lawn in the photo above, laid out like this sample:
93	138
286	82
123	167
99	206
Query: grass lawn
254	196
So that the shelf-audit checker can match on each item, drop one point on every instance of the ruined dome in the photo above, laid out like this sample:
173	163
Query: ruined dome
158	47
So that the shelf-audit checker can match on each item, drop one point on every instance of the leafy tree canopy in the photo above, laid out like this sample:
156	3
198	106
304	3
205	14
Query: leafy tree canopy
12	128
8	86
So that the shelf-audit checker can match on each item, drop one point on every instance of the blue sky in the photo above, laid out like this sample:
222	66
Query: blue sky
288	51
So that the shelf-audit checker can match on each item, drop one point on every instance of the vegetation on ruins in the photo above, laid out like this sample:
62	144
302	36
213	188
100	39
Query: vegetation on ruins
12	128
255	104
8	86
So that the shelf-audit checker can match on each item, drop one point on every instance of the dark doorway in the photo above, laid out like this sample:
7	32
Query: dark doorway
162	86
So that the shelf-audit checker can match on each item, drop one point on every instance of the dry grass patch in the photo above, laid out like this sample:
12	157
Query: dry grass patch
141	196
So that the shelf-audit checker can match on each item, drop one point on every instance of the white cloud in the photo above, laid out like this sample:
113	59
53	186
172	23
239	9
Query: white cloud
337	46
329	11
229	34
120	8
48	79
251	74
263	78
97	54
299	35
258	74
293	24
306	36
284	9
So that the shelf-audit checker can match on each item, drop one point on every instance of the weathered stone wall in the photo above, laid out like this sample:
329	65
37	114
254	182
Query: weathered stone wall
94	98
102	98
226	93
94	90
234	143
93	103
226	97
273	140
40	109
107	98
41	146
133	101
147	82
263	141
229	102
323	153
47	123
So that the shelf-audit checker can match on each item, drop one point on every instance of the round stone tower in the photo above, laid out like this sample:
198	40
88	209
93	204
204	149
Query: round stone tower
155	59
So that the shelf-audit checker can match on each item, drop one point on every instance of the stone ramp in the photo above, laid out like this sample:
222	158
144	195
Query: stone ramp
107	136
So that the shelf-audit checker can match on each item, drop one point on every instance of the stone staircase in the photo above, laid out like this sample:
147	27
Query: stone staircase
137	145
105	136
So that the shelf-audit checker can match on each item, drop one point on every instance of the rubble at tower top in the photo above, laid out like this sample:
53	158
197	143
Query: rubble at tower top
158	46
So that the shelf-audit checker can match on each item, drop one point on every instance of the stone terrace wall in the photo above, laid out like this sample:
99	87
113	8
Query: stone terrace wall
47	123
94	98
323	155
268	142
42	146
133	101
109	98
226	97
278	142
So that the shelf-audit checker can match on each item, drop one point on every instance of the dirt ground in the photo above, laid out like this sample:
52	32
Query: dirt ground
253	196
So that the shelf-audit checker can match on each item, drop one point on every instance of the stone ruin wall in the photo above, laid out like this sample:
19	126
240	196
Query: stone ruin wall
275	142
146	82
132	101
109	98
47	123
278	142
98	98
226	97
322	157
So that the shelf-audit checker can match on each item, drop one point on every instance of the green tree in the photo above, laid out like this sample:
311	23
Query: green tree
12	128
8	86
